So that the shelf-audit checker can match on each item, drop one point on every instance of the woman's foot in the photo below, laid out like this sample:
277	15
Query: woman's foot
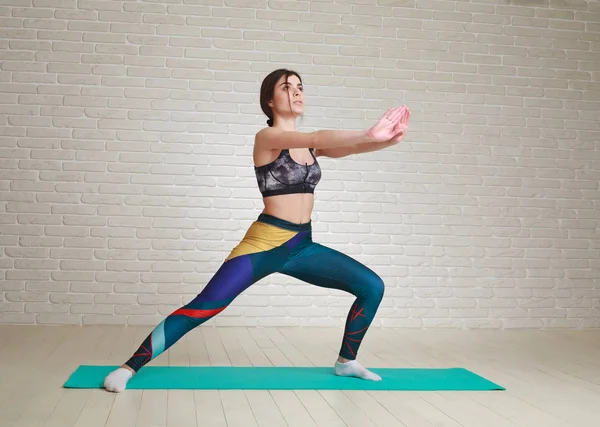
352	368
117	380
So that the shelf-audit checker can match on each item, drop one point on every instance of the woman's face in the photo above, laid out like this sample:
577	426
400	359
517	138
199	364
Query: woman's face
288	93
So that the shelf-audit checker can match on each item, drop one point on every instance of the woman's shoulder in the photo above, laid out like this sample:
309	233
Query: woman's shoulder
263	132
266	136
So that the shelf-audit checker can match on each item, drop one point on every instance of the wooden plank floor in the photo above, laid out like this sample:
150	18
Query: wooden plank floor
552	378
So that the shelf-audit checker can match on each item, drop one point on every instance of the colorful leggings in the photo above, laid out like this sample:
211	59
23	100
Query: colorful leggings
273	245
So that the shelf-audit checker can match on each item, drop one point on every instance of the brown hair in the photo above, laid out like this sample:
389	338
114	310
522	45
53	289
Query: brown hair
268	87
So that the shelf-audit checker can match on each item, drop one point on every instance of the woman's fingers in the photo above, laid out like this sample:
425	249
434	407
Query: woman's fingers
402	119
399	135
397	114
395	120
387	113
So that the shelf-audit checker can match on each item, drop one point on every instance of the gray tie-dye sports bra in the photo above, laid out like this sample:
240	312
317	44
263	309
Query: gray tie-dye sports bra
285	176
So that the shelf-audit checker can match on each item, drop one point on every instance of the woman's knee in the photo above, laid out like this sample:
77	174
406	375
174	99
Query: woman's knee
375	288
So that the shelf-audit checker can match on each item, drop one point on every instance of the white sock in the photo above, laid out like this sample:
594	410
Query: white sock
355	369
117	380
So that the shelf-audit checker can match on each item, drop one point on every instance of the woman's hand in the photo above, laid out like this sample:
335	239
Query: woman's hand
392	126
401	127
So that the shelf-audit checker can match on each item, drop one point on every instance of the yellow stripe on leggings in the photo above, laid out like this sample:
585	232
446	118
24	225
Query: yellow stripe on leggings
261	237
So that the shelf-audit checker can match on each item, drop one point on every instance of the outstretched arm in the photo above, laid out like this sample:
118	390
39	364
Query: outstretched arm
400	129
278	139
338	152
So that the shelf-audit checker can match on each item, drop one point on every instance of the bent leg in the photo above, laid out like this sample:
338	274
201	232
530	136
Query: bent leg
326	267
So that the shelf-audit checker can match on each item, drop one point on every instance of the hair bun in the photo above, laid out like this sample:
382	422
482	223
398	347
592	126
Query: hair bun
270	122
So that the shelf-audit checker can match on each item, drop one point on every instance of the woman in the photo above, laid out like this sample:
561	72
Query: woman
280	240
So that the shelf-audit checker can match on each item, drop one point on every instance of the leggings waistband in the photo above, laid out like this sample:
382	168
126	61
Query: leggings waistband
282	223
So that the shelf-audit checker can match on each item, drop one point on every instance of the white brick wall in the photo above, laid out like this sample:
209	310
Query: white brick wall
126	131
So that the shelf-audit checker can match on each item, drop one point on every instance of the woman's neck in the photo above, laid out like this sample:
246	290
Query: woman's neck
288	125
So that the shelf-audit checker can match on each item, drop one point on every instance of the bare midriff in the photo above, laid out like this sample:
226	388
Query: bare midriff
296	208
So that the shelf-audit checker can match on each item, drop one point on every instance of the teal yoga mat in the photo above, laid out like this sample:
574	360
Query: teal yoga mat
282	378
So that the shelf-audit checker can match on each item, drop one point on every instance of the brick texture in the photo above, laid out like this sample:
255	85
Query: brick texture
126	132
